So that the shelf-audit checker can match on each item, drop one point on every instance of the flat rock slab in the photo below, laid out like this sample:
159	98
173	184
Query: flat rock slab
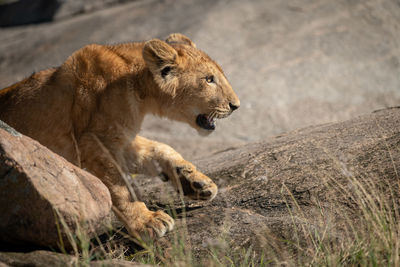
275	187
43	195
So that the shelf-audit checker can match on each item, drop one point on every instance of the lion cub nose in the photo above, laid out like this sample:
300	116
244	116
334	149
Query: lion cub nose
233	106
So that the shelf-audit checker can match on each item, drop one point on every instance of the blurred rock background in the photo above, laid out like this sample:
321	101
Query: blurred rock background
292	63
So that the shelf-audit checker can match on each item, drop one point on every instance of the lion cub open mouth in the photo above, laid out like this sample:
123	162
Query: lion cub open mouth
206	122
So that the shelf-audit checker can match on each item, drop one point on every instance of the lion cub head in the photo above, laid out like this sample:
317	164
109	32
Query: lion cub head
193	85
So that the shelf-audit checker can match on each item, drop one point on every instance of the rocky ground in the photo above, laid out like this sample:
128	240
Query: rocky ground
293	65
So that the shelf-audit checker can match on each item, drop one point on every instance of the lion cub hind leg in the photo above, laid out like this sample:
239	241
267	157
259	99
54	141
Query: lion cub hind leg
139	221
182	174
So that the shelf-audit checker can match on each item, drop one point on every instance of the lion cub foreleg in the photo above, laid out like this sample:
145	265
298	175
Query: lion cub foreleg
182	174
139	221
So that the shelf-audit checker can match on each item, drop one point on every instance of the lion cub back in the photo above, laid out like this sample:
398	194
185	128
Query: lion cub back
39	108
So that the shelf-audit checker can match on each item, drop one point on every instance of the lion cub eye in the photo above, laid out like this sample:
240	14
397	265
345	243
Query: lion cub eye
210	79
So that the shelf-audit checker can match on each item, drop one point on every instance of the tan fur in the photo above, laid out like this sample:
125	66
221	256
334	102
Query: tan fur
90	109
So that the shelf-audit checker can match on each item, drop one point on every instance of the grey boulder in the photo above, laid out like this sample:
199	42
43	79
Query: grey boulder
43	196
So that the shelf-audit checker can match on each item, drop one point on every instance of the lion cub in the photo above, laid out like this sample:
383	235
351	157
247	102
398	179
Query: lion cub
90	109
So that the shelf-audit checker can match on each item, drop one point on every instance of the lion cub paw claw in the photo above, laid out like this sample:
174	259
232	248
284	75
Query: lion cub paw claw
157	224
196	185
160	223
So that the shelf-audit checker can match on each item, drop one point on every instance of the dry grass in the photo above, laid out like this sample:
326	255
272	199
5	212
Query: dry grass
369	236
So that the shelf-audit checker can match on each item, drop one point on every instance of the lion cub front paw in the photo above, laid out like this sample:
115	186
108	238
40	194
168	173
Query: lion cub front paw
152	225
195	184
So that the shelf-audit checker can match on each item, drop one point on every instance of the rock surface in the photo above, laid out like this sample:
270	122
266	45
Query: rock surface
292	64
280	184
36	184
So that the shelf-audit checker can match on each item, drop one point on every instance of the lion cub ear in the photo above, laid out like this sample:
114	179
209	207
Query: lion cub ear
179	38
161	59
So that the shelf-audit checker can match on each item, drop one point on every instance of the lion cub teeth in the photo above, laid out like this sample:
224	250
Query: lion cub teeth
212	121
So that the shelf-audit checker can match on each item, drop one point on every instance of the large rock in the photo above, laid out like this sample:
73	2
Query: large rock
307	178
40	190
